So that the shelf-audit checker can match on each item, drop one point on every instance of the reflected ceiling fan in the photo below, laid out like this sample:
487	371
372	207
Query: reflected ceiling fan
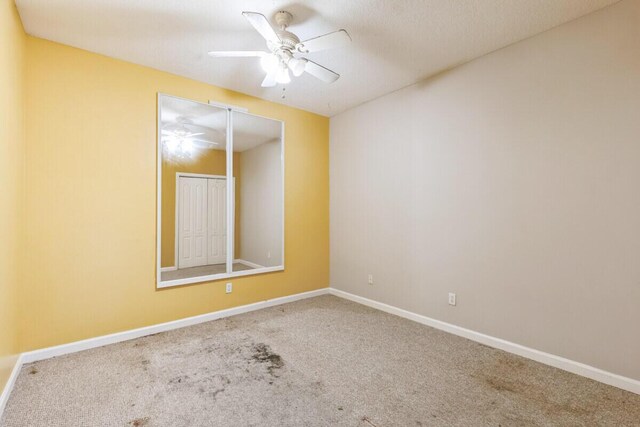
283	45
181	141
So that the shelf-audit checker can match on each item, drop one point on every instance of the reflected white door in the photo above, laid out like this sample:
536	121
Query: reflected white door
217	221
192	230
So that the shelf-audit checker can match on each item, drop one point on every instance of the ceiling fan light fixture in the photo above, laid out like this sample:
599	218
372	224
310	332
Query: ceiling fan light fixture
172	144
283	76
187	146
297	66
269	63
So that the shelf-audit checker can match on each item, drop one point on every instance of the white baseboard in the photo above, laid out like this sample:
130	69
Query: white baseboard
172	268
4	397
248	263
572	366
49	352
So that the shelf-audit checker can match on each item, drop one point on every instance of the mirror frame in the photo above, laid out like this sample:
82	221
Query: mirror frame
230	199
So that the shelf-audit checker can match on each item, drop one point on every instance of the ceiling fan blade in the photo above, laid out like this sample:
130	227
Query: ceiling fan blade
261	24
327	41
204	143
237	53
320	72
270	79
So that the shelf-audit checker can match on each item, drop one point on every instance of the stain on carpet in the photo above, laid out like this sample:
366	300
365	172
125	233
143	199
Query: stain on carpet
140	422
262	354
511	376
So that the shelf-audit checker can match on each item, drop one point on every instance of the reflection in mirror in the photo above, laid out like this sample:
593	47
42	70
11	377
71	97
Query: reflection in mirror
220	193
193	138
258	213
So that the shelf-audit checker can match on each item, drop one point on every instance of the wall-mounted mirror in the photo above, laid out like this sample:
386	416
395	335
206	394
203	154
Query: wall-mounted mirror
220	193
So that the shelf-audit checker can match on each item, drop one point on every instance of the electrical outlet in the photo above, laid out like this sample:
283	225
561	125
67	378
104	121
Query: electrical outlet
371	279
229	288
452	298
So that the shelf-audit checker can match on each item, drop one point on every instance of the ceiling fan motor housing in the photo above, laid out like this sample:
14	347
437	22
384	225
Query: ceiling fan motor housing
288	40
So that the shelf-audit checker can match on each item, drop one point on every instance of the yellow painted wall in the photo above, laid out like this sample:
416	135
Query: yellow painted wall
210	162
91	200
12	149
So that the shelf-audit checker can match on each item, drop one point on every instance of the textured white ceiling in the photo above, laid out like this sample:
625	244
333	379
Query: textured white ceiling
395	43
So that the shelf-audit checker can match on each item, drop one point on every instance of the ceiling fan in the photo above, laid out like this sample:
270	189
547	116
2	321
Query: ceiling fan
283	45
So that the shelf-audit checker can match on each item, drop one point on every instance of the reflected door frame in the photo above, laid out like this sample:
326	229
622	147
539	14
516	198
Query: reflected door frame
177	207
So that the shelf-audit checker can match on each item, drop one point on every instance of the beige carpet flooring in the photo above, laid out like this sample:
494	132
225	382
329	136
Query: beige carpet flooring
203	270
318	362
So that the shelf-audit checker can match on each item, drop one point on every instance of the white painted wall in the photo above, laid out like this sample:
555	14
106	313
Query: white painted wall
261	205
514	181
